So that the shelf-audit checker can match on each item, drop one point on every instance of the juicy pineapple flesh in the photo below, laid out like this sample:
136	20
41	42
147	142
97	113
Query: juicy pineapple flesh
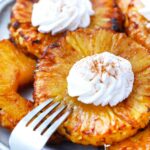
15	70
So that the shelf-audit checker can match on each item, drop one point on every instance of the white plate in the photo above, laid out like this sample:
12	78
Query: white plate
4	134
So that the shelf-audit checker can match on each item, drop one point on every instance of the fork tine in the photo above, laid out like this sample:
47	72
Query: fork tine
36	121
55	125
31	114
43	126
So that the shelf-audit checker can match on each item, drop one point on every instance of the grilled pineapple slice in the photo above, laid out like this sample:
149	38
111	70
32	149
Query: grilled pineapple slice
135	23
89	124
140	141
107	15
15	70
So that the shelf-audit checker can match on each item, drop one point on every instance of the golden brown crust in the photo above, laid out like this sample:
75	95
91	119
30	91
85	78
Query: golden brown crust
140	141
89	124
13	108
107	15
15	70
135	23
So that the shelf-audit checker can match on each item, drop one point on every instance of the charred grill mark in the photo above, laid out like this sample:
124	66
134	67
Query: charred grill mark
51	46
118	20
142	129
54	45
12	40
115	25
67	131
36	42
16	25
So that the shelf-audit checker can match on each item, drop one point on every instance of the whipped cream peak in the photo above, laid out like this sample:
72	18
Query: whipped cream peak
145	11
59	15
101	79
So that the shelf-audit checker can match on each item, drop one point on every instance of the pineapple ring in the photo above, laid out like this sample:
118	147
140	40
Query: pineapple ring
89	124
15	70
140	141
107	15
135	23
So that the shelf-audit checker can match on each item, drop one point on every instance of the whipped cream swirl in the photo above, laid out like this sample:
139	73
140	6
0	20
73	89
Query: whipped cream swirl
59	15
101	79
145	11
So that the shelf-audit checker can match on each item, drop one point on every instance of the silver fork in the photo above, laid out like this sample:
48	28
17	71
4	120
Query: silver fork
32	134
